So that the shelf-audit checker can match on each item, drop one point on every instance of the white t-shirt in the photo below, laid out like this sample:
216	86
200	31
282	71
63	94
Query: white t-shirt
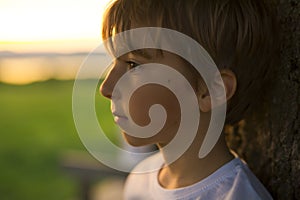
233	180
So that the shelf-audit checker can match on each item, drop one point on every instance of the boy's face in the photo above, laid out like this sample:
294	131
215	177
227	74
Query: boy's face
146	96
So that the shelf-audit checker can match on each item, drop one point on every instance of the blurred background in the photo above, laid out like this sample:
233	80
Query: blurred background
42	45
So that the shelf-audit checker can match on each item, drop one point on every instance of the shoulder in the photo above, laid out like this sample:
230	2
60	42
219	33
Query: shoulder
244	183
232	181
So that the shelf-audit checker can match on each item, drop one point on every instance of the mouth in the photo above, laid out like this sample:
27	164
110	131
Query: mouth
119	117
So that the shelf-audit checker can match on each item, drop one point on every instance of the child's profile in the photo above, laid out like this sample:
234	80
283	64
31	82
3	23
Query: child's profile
234	35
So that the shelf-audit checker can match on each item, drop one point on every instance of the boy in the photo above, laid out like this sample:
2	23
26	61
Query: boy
238	35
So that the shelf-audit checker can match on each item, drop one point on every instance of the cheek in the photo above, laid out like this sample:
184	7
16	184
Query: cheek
151	94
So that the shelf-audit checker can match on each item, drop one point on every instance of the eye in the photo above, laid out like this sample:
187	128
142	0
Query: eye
131	64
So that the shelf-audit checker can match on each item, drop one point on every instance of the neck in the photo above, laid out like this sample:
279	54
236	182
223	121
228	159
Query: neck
189	168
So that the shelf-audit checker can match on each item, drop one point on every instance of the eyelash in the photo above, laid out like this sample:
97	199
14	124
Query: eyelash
132	64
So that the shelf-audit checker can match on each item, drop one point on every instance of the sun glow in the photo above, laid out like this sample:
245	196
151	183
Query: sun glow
49	21
37	36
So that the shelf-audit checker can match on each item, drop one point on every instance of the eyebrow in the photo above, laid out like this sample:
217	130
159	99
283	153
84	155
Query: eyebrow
144	53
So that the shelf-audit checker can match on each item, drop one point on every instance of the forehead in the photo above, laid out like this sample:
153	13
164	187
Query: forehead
152	55
127	44
139	41
149	54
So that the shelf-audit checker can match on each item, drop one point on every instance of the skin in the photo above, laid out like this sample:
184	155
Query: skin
188	169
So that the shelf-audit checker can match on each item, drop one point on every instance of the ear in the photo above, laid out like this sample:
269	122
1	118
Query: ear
230	84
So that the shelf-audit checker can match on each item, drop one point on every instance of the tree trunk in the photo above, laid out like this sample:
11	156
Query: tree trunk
274	154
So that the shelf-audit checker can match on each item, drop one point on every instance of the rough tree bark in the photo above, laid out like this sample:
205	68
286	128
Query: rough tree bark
274	154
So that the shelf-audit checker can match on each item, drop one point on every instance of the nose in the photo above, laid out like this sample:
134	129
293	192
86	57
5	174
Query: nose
109	82
106	87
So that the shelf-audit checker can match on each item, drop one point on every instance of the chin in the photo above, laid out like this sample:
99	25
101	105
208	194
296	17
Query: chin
137	142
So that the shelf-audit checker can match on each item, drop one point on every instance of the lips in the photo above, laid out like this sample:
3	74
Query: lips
115	114
119	118
118	115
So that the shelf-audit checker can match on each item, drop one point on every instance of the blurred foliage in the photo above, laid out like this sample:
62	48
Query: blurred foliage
36	126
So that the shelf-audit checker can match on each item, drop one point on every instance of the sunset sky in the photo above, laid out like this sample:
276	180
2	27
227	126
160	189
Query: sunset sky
43	27
50	25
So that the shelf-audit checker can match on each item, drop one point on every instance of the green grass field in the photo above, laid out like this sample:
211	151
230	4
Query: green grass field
36	126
